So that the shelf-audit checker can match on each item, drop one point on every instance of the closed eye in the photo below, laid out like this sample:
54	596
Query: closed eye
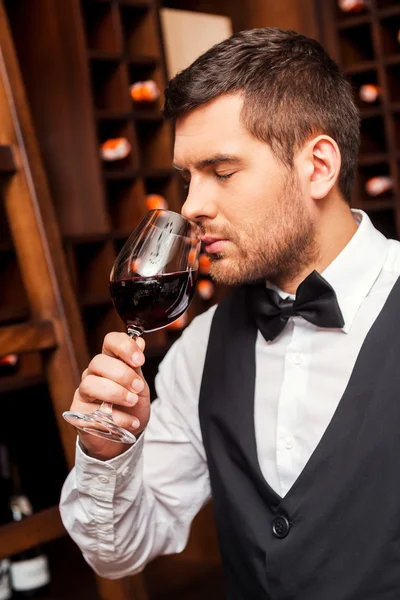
223	177
186	177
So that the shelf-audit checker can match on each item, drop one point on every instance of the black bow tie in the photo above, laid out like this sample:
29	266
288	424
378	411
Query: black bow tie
315	301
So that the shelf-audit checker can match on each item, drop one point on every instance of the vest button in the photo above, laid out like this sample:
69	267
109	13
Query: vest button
280	527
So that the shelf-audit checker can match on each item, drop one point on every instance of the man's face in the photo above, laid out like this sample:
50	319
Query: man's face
251	209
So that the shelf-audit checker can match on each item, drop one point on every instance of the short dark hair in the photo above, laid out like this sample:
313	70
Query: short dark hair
292	89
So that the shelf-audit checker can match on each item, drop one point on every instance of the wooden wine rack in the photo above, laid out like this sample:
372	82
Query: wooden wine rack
113	44
77	60
366	47
39	318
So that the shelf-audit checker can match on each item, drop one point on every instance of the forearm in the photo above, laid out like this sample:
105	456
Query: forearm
123	523
153	490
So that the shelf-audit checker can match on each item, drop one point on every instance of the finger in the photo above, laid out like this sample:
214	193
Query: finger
98	389
141	343
120	415
116	370
120	345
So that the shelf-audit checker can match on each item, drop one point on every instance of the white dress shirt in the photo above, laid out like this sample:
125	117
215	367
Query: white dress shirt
124	512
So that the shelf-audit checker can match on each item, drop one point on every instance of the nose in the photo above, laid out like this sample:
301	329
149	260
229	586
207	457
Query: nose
199	204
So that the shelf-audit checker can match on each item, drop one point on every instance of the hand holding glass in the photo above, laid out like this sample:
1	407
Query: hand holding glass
152	283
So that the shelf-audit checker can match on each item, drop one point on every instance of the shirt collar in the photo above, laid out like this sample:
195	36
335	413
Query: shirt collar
355	270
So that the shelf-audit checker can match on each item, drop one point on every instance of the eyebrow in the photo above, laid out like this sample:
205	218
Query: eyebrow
208	162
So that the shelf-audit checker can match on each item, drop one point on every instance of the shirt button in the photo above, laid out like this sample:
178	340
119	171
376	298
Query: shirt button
289	443
297	358
126	471
103	479
280	527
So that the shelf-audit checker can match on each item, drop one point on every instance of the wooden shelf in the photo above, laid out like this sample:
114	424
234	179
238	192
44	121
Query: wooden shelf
27	337
360	67
112	115
143	115
351	22
379	205
367	113
105	56
147	115
159	173
33	531
373	159
390	11
143	61
121	174
391	60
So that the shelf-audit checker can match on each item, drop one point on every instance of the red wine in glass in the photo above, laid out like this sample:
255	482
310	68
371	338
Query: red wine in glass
153	302
152	283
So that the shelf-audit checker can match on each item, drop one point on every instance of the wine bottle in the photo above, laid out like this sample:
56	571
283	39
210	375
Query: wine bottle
5	584
5	517
154	201
29	570
205	289
375	186
204	264
115	149
352	5
369	92
144	91
8	364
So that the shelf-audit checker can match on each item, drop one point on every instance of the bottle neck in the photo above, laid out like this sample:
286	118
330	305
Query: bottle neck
20	507
13	502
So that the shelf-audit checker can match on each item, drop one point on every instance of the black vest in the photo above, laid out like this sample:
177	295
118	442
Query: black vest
336	533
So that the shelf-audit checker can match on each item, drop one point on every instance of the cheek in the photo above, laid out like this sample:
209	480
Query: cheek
263	192
251	209
251	198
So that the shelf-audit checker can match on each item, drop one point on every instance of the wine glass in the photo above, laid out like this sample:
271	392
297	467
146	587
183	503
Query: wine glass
152	283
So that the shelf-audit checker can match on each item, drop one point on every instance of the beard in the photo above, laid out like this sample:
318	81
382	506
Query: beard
277	249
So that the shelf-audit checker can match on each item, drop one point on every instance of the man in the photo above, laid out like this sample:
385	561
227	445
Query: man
282	403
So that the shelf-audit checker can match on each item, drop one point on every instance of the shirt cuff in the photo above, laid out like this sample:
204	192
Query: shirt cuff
102	479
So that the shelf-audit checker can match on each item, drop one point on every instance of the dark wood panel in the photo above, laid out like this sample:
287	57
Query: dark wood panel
7	164
49	40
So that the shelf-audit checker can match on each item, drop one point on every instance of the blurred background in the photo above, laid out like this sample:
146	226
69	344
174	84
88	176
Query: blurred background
84	154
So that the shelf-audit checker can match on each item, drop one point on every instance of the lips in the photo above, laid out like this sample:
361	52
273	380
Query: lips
213	245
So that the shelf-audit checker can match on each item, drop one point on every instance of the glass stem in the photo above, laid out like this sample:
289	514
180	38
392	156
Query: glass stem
134	332
106	407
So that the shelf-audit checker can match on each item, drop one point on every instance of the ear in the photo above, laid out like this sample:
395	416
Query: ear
324	165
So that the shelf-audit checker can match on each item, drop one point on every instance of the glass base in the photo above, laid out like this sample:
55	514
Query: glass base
100	425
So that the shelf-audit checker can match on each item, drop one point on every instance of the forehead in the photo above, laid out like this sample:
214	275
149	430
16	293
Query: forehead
214	127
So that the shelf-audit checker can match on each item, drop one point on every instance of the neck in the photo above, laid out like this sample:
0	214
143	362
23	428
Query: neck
335	229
